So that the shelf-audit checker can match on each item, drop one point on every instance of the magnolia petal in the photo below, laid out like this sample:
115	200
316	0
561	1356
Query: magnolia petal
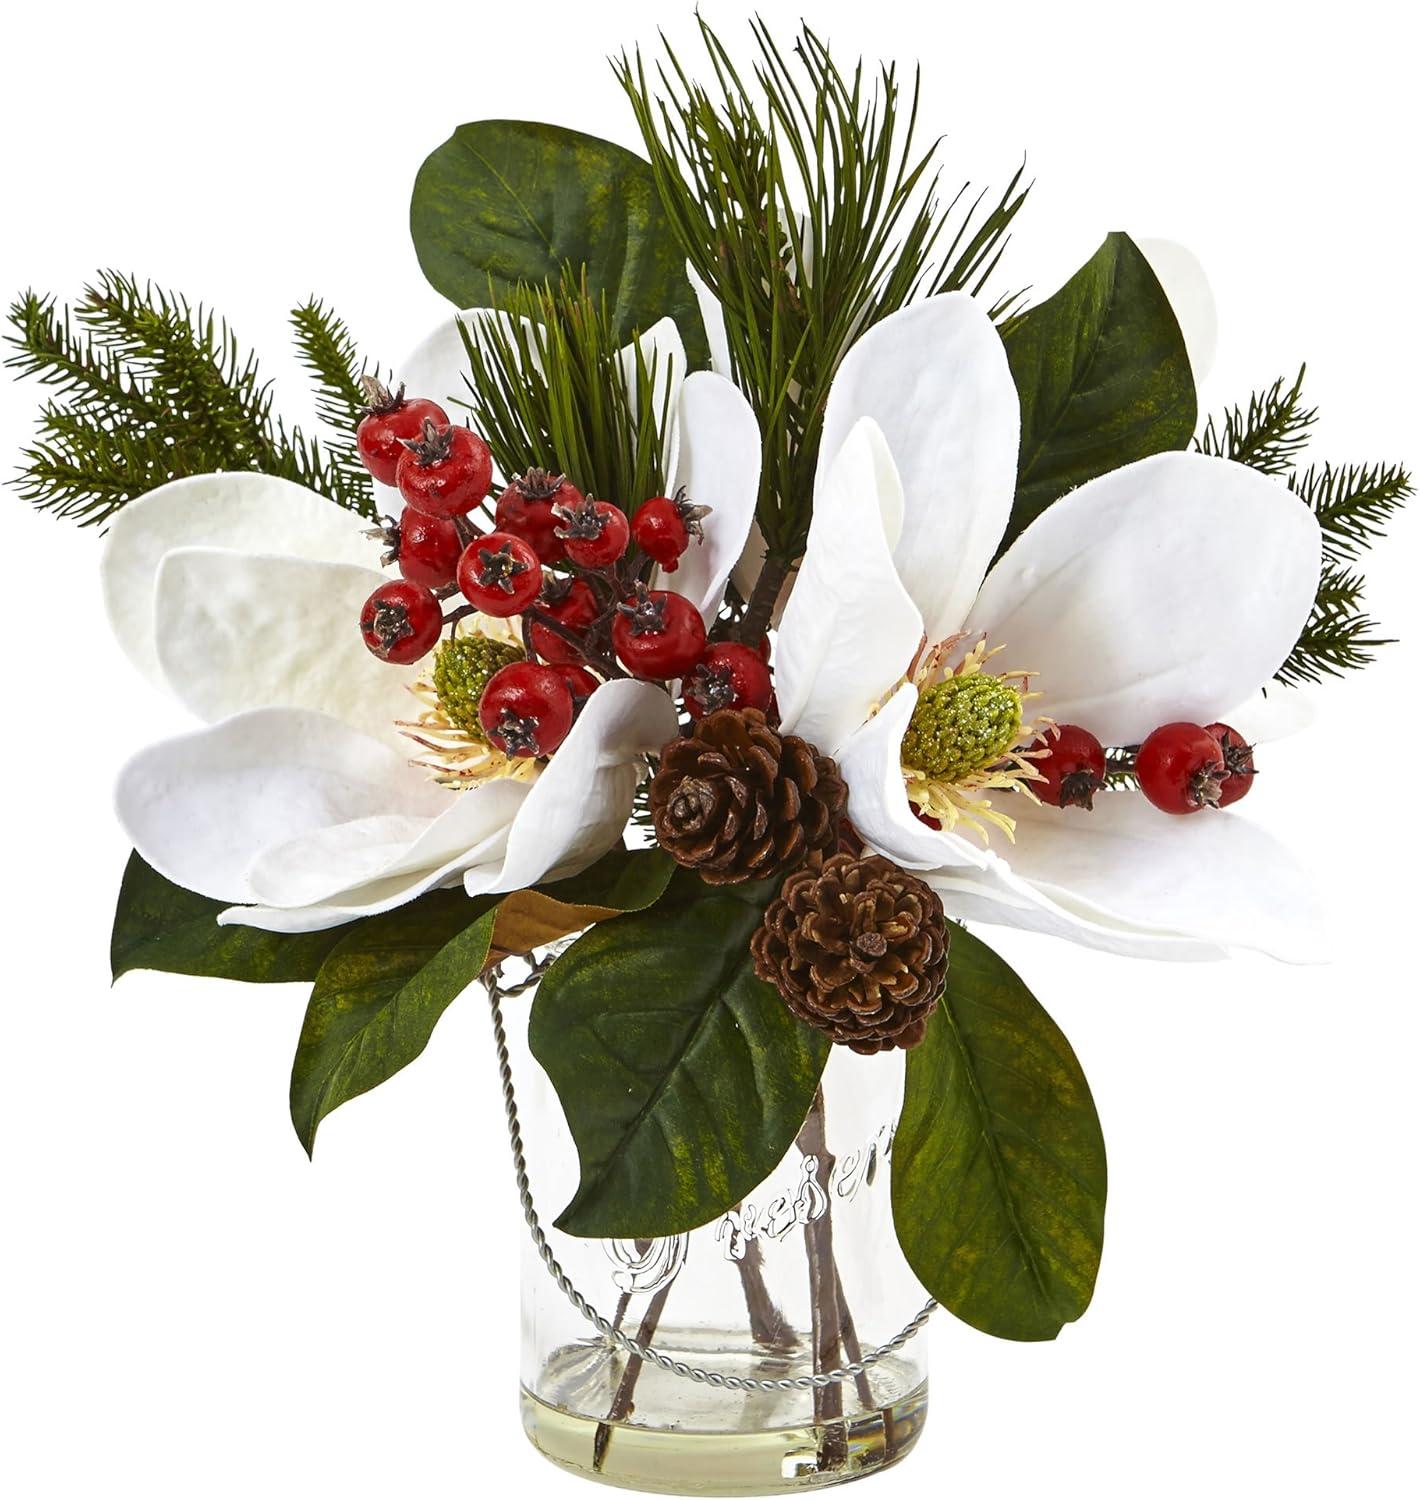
719	467
201	807
241	512
1185	284
663	354
437	367
849	630
373	864
1168	589
935	379
236	631
577	808
1212	878
871	762
997	898
713	317
1274	712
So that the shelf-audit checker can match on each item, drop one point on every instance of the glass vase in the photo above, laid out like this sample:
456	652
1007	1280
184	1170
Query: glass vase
802	1277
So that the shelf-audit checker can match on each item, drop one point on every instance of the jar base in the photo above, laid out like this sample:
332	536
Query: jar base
677	1462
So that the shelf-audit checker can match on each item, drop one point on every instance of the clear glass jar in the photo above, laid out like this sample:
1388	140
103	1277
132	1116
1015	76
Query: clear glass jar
803	1277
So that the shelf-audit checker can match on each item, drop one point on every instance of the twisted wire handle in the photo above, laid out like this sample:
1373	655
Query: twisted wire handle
497	993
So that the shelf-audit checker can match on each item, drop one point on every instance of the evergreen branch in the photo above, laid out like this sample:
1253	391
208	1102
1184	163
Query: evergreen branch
551	388
798	285
326	347
147	388
1268	436
1339	636
1352	503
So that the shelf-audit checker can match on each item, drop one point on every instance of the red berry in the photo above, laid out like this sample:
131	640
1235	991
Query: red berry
658	634
428	548
1180	768
389	422
594	532
660	532
500	574
446	472
401	622
574	606
1237	762
526	709
581	681
728	676
1073	767
526	509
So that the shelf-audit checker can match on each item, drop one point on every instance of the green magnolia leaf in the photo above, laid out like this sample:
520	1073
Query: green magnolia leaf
622	881
1103	377
998	1165
159	925
683	1077
509	201
379	995
625	880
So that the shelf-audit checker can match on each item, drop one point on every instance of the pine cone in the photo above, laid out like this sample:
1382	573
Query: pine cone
739	801
858	949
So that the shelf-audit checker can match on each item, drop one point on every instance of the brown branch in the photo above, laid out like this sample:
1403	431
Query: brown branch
823	1295
754	625
622	1403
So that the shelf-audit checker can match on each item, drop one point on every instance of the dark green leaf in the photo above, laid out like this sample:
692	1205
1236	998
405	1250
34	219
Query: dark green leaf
159	925
683	1077
1103	378
998	1166
378	996
509	201
624	880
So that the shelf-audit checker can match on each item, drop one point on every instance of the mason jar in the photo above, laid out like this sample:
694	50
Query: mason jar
801	1278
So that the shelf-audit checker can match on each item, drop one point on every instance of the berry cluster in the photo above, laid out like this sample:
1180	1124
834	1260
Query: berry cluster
1181	768
573	570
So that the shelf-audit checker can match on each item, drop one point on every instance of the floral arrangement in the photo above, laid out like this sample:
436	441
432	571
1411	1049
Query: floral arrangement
737	583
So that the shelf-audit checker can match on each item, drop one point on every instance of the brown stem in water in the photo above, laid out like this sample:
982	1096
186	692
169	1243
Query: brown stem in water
622	1403
852	1349
767	1324
824	1303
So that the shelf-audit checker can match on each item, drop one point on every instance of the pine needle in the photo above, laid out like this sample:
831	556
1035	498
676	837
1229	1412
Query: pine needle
804	205
145	388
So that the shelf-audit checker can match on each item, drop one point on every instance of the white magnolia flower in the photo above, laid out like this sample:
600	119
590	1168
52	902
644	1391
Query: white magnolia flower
298	802
1169	589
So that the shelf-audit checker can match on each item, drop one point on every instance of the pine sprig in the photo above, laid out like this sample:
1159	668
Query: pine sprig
326	347
1339	636
1353	503
551	388
810	215
146	388
1269	435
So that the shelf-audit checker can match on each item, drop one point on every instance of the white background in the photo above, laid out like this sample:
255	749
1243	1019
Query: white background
191	1309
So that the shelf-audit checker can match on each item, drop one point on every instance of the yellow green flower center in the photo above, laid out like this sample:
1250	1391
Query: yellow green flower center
961	726
462	667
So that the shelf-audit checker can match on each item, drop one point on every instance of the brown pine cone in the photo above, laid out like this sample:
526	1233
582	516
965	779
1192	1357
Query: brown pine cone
858	949
739	801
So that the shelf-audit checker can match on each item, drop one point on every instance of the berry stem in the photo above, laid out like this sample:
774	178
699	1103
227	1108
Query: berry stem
602	663
754	625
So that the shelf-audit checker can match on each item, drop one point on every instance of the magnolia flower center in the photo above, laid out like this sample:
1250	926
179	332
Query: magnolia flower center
968	737
462	668
962	726
456	752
